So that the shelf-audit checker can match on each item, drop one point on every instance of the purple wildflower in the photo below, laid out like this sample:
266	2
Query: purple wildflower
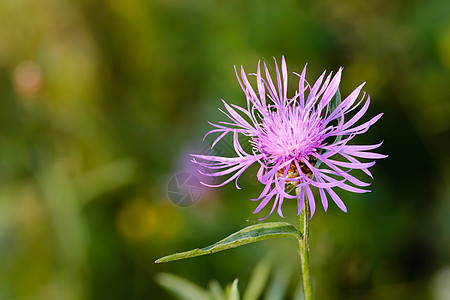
290	135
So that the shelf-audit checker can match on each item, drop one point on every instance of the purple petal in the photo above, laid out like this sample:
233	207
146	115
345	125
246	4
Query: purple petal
273	208
362	147
280	88
324	87
249	89
324	199
358	115
312	94
302	88
280	202
342	173
331	90
364	127
366	154
260	84
312	203
285	77
351	165
265	192
271	87
354	160
301	201
346	104
263	203
337	200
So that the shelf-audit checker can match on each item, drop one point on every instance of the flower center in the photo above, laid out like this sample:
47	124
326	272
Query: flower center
293	171
287	133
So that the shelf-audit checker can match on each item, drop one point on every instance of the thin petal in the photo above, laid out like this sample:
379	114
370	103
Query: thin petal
280	202
273	208
260	84
312	203
369	155
337	200
324	199
301	201
331	90
285	77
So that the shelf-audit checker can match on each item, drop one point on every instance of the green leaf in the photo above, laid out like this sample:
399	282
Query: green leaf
258	280
232	292
244	236
181	288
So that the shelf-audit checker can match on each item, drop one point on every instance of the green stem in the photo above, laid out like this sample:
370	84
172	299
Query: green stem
304	250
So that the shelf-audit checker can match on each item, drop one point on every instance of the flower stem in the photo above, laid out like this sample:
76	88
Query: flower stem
304	250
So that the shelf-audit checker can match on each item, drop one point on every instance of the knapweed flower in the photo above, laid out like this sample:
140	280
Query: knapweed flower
289	136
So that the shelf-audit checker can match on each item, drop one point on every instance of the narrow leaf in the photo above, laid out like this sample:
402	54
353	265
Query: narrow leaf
258	280
181	288
232	292
216	290
250	234
279	284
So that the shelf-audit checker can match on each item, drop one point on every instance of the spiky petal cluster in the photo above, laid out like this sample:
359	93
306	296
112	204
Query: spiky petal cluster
289	135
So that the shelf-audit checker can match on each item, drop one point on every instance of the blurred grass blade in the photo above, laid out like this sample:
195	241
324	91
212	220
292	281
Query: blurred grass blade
258	280
216	290
244	236
107	177
298	294
181	288
232	292
279	284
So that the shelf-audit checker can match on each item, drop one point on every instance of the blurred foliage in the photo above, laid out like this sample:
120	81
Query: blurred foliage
101	102
183	289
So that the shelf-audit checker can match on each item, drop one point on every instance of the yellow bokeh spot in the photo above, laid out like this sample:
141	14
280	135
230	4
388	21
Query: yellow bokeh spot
443	41
139	220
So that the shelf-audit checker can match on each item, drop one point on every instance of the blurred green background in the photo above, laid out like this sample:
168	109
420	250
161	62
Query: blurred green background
101	102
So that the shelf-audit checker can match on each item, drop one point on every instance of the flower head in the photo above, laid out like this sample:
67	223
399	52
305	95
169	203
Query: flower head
290	136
